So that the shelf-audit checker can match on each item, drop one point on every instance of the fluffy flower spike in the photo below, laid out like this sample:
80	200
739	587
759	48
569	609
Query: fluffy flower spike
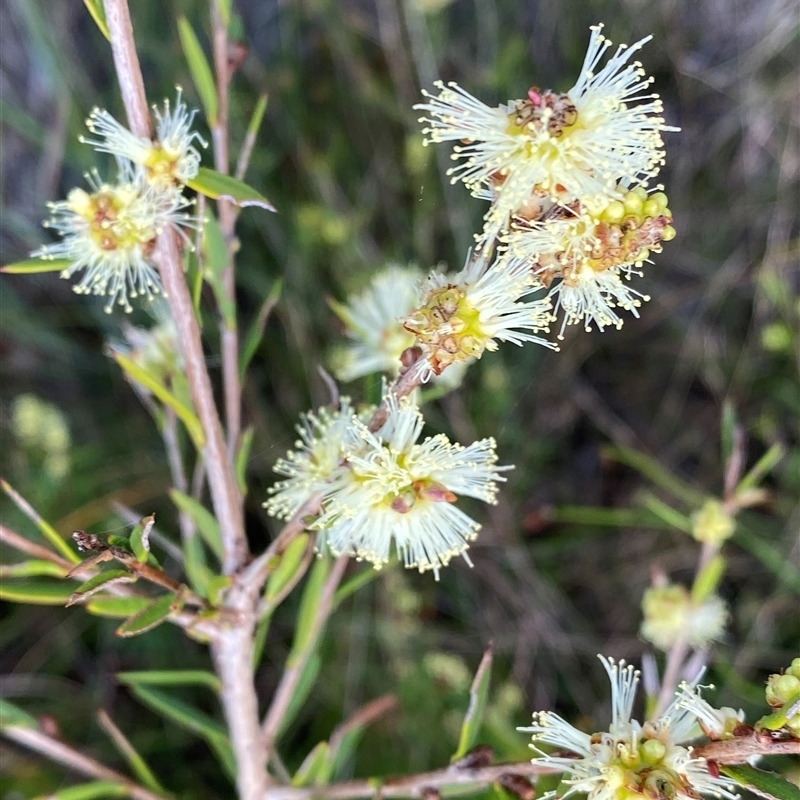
606	129
394	490
461	316
629	761
170	159
109	234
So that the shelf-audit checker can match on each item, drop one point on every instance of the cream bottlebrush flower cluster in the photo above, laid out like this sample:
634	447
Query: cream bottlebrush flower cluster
461	316
383	488
566	177
109	234
631	759
374	323
670	614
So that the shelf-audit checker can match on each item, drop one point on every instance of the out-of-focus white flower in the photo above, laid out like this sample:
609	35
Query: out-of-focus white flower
671	614
606	129
460	316
110	234
316	464
374	326
393	489
171	158
41	426
630	760
585	253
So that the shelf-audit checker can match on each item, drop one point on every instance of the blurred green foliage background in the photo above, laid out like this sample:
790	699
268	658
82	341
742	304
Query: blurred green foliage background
341	156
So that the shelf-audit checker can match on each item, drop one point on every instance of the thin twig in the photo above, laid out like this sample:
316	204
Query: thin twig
410	786
13	539
742	748
246	152
291	675
257	572
72	759
266	607
224	491
229	334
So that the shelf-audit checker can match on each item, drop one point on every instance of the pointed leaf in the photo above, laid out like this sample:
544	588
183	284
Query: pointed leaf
666	512
174	677
728	425
761	468
215	262
764	784
200	69
478	694
45	593
287	567
103	580
11	714
203	518
256	332
33	265
144	378
215	185
708	579
354	584
308	677
190	719
140	538
117	607
242	457
32	569
94	790
308	605
150	616
310	772
194	564
98	12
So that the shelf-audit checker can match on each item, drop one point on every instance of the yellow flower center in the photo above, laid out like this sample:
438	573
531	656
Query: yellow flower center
447	328
160	164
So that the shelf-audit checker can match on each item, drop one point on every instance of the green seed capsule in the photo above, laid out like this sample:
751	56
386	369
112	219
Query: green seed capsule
661	199
633	203
615	211
668	234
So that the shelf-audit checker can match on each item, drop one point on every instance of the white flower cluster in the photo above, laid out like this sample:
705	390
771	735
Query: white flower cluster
383	487
566	176
631	759
109	233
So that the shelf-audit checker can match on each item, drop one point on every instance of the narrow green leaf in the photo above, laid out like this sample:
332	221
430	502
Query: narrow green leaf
224	7
308	677
137	764
32	569
48	531
308	605
95	790
215	185
201	71
97	583
145	379
117	607
215	260
761	468
191	719
779	717
310	772
140	538
651	469
173	677
150	616
367	575
207	525
45	593
287	567
256	331
11	714
33	265
667	513
765	784
613	517
194	564
98	12
776	561
728	425
260	639
242	458
258	115
478	694
708	579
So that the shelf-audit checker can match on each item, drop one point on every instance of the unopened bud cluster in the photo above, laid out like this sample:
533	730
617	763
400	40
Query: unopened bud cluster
783	689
